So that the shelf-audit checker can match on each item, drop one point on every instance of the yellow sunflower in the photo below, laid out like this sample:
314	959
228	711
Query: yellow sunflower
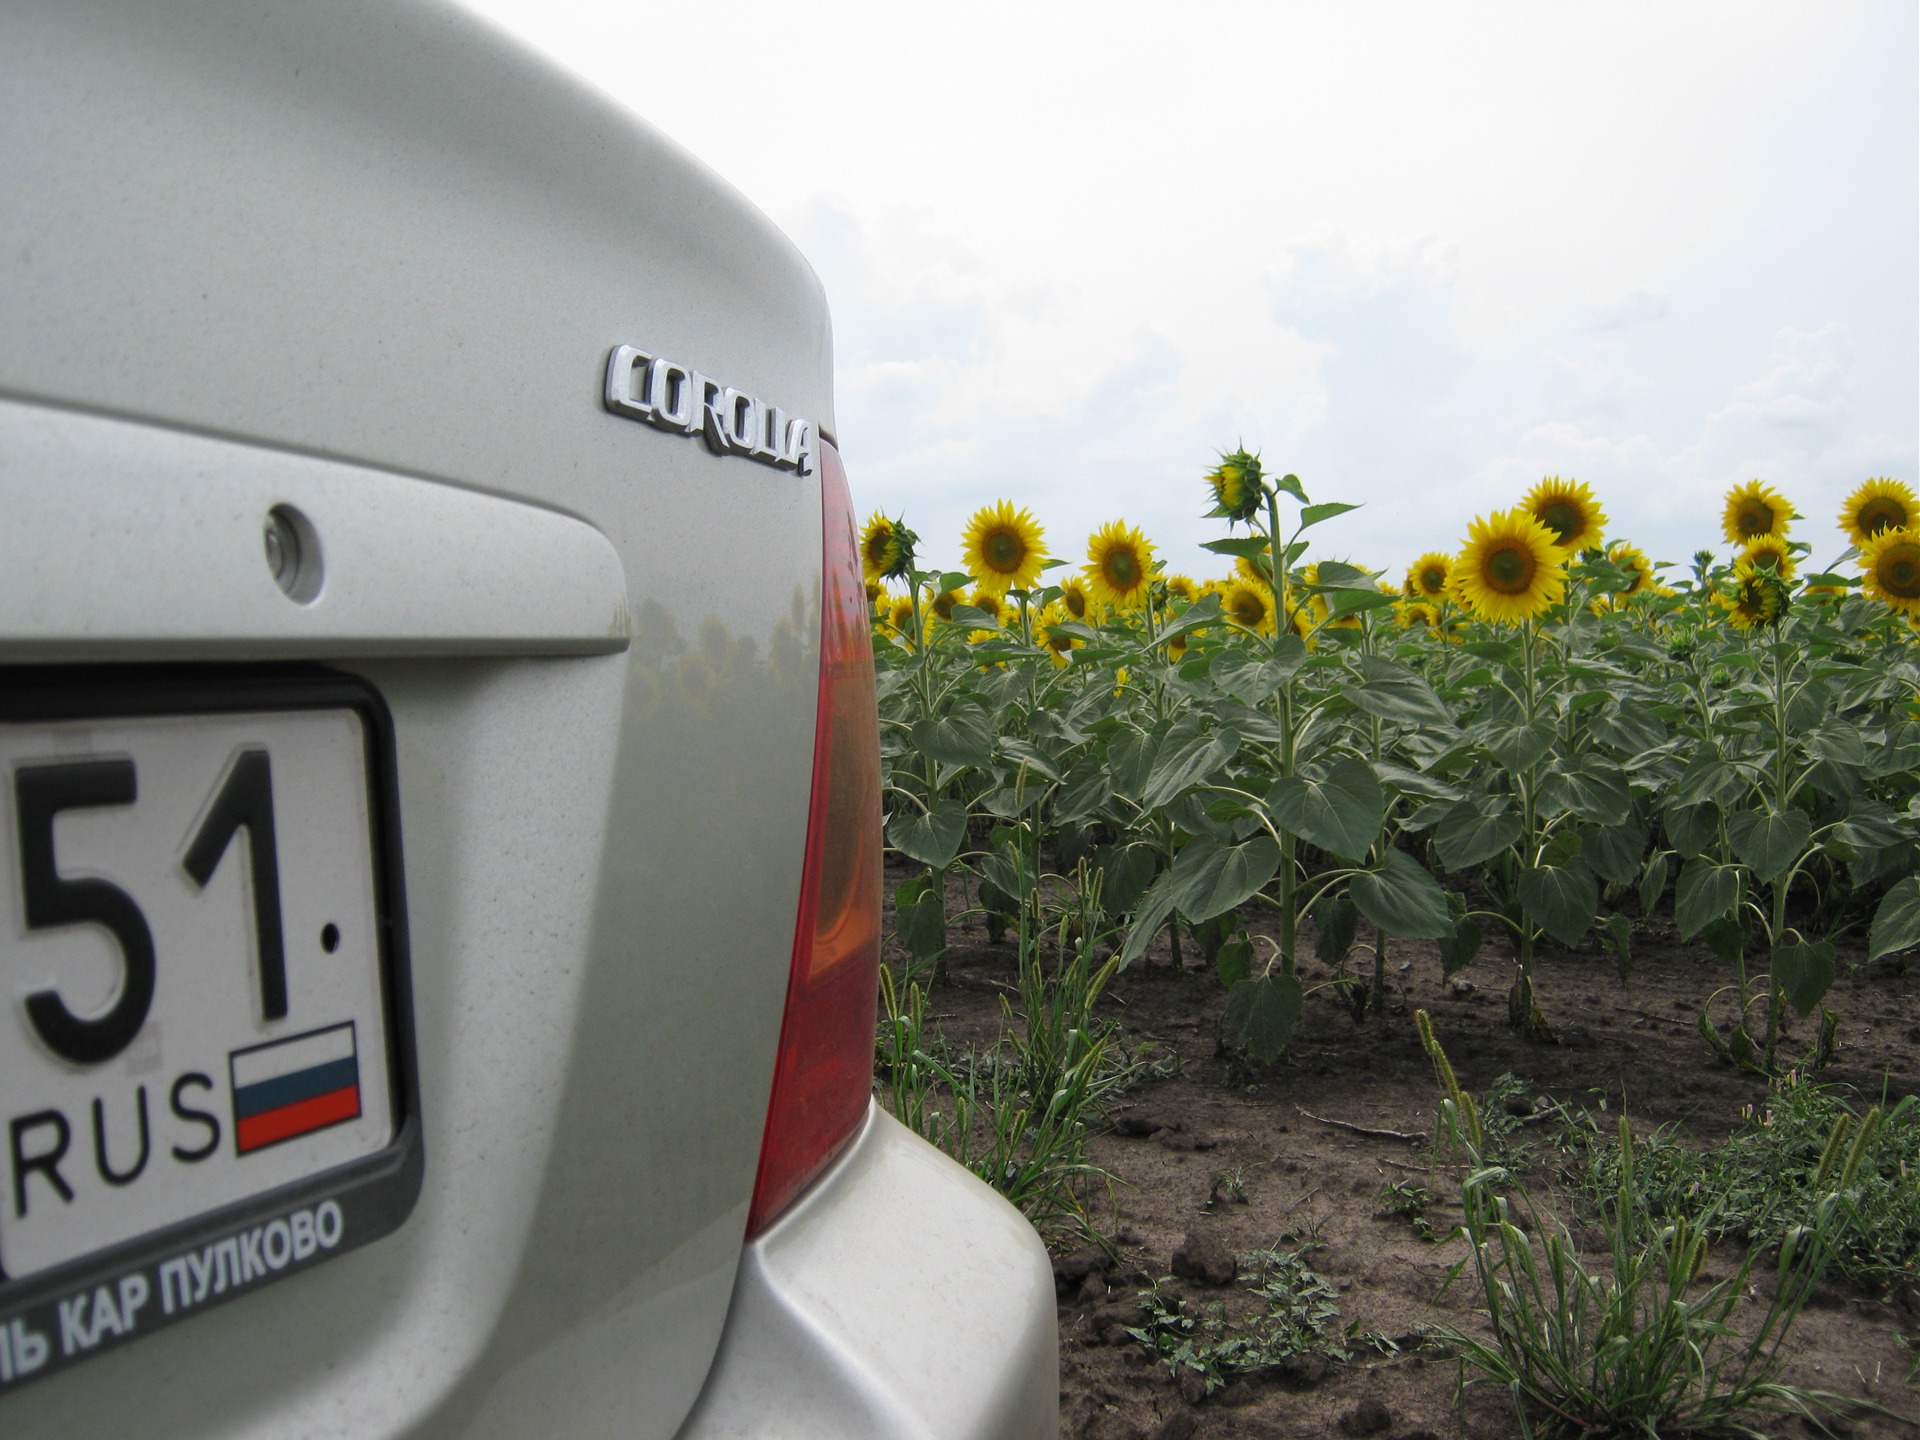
900	615
1768	552
1236	485
1254	568
1568	510
1754	599
1892	562
886	549
1878	505
1002	548
874	591
1182	587
1119	566
1427	576
1417	614
1633	560
1077	600
1250	604
1300	626
1509	569
985	599
940	606
1048	637
1754	509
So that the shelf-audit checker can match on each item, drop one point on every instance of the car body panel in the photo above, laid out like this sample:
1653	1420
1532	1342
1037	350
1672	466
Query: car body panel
380	246
847	1325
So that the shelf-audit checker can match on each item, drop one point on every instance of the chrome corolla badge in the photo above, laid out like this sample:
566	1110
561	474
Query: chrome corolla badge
670	397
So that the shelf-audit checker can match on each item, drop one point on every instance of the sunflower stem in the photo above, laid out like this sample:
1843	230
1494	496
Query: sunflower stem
1524	1012
1283	713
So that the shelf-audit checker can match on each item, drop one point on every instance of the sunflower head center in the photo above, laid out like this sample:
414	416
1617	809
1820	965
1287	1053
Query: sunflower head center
1123	569
1562	517
1883	512
1509	569
1899	571
1755	518
1433	579
1076	604
1004	551
1249	609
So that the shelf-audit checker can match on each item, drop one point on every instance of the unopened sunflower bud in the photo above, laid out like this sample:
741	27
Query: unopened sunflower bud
1237	491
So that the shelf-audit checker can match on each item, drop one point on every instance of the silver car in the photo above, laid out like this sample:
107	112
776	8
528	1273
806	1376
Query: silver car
439	812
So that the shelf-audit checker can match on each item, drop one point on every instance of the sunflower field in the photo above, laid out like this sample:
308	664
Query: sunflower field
1538	736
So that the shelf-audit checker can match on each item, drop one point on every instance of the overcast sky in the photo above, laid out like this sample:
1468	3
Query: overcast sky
1420	255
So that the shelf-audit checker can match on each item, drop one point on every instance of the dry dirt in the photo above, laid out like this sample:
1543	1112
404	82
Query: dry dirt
1176	1140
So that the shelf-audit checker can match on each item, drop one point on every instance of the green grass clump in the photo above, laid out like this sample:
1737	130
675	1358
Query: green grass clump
1642	1345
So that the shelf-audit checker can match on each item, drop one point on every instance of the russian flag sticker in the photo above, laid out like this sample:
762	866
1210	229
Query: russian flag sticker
288	1088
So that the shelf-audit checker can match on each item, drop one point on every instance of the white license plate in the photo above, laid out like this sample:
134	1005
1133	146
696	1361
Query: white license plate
196	961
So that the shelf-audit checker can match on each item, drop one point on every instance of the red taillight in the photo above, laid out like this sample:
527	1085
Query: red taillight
823	1078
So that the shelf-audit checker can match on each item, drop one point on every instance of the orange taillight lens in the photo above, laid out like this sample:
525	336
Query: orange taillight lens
823	1076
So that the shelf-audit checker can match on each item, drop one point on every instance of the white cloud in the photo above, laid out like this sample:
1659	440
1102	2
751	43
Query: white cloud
1642	307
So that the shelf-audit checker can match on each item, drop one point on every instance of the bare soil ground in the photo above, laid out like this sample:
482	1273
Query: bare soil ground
1182	1145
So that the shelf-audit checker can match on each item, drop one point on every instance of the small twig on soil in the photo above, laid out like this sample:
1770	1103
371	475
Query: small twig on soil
1417	1136
1410	1169
1649	1015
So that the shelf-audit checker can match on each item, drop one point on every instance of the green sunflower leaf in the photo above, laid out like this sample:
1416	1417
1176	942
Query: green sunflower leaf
1706	892
1768	844
1186	757
1560	899
1314	514
1804	972
1209	879
1458	949
1403	899
960	737
1340	813
1242	546
1252	680
1393	692
1653	882
1896	924
1613	852
932	838
1337	919
1261	1015
1520	747
920	916
1594	791
1468	834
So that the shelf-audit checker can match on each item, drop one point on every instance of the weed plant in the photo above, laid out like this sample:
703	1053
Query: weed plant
1409	1201
1771	1176
1018	1114
1015	1117
1287	1311
1643	1346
